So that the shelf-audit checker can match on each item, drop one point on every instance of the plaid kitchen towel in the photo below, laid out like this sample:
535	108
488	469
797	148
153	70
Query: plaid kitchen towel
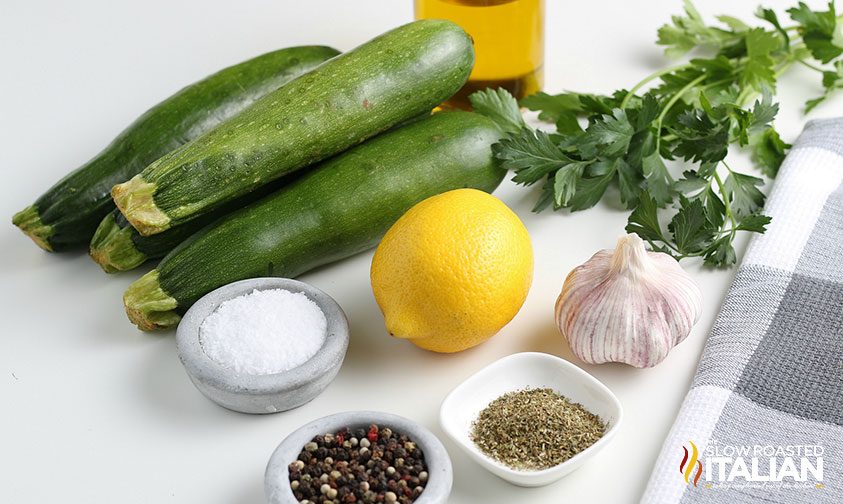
763	421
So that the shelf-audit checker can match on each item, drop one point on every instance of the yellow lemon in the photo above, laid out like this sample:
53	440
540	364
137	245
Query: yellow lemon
452	271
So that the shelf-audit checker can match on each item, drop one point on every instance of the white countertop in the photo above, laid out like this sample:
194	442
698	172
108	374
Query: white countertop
94	411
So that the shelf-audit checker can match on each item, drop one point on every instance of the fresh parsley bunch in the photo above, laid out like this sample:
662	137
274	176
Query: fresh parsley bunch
693	112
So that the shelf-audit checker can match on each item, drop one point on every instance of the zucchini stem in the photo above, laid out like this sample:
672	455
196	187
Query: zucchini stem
29	221
135	201
148	306
113	249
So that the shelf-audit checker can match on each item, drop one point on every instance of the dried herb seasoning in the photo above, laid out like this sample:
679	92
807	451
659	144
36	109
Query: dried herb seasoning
374	465
534	429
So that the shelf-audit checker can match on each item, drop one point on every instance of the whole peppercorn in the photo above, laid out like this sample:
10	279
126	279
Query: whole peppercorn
362	465
380	484
372	435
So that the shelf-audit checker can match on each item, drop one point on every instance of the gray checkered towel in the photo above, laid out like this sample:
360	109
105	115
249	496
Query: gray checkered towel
769	387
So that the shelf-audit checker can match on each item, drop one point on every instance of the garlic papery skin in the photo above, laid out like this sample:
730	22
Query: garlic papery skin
627	305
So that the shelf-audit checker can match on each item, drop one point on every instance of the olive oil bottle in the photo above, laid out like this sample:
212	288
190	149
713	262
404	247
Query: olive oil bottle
508	42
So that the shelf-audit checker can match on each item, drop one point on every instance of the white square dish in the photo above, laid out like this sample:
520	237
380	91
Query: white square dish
517	372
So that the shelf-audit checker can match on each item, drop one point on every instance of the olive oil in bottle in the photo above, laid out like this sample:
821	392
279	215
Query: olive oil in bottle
508	42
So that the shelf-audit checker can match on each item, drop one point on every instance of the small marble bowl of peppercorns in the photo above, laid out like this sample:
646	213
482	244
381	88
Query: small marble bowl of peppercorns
359	457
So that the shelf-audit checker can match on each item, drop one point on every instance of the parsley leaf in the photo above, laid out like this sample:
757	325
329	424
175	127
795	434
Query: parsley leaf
565	182
630	181
590	190
658	180
701	138
690	228
720	253
771	17
531	155
757	223
552	106
500	106
688	32
644	220
820	31
610	133
763	112
768	151
561	109
743	193
715	209
691	183
758	73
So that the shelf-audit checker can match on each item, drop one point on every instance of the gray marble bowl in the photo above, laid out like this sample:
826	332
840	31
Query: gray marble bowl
441	474
268	393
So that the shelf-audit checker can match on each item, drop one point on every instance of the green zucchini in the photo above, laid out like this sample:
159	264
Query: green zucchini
69	212
350	98
341	207
117	246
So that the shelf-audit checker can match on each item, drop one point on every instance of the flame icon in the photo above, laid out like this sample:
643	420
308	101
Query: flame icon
686	467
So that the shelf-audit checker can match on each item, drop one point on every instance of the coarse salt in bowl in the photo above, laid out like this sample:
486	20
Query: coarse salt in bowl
264	332
263	345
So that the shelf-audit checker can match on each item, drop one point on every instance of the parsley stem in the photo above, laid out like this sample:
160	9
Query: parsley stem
722	188
653	76
809	65
717	83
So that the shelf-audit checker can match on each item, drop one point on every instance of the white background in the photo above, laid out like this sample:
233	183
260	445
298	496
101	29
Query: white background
94	411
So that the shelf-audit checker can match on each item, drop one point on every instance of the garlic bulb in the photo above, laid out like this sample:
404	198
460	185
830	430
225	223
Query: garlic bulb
627	305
